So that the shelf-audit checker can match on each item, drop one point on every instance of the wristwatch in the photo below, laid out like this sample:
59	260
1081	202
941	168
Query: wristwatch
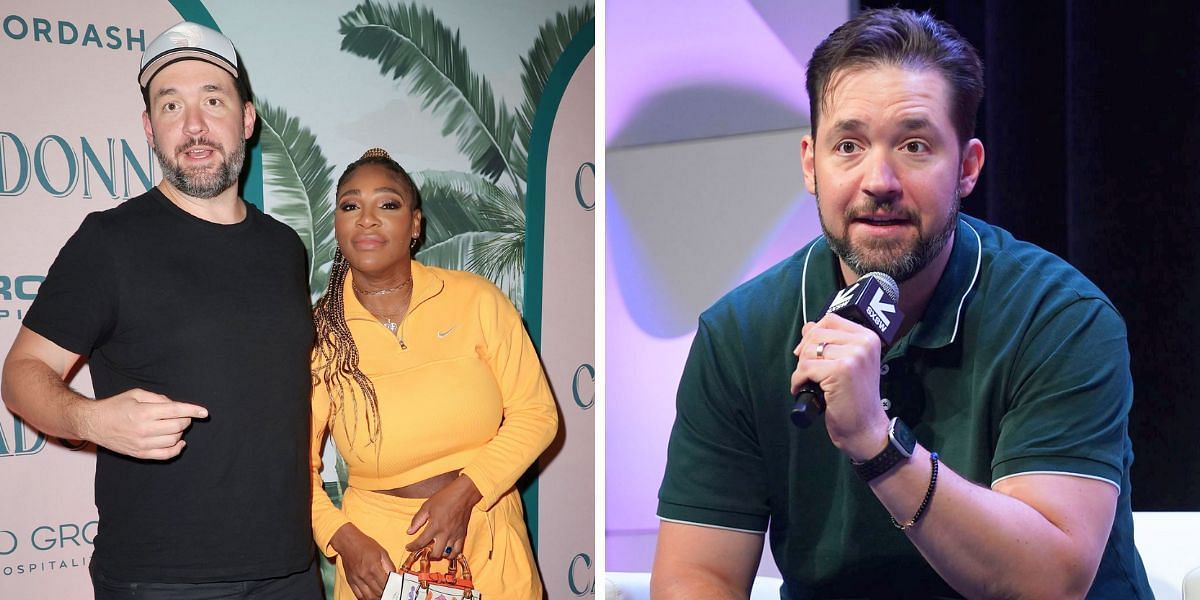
901	443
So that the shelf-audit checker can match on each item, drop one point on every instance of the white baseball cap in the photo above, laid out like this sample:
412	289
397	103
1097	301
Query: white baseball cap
188	41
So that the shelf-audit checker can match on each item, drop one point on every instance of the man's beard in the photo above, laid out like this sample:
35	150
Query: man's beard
199	182
891	258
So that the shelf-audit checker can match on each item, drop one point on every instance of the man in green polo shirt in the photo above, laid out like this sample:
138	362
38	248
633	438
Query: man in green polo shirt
985	454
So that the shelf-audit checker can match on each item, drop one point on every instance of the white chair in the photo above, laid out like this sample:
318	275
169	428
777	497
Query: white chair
1169	543
636	586
1191	585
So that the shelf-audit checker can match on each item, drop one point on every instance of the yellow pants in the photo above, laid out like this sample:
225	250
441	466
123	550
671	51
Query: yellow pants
497	547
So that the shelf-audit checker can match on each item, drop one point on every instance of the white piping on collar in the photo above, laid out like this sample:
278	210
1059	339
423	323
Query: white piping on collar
961	301
974	278
804	283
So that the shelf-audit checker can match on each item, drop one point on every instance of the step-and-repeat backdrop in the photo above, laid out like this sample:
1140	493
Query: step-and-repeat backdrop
71	143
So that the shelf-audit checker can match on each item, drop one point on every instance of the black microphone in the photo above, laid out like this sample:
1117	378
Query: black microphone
872	302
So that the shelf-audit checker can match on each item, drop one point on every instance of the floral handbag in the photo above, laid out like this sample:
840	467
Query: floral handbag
419	583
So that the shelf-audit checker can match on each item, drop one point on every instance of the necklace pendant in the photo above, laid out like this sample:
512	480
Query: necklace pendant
392	326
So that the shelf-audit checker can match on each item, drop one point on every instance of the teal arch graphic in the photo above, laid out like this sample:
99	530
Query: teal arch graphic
535	208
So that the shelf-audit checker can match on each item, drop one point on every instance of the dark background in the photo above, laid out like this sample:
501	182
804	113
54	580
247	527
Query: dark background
1091	123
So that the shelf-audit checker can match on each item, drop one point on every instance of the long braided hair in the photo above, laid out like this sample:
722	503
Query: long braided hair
335	363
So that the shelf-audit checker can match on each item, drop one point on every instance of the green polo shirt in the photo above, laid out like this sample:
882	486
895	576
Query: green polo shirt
1019	365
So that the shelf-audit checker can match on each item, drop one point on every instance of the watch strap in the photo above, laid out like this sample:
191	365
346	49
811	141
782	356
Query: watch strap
884	461
880	464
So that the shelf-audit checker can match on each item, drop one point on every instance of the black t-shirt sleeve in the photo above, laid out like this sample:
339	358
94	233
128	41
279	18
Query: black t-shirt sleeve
715	472
75	306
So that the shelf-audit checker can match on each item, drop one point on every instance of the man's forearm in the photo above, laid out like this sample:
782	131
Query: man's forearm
987	544
34	392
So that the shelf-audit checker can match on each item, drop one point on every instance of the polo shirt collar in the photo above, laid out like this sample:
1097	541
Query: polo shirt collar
943	317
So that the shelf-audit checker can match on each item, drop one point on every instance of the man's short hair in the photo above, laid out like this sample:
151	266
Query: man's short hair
902	38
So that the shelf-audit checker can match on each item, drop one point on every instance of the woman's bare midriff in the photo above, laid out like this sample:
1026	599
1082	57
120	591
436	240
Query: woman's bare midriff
424	488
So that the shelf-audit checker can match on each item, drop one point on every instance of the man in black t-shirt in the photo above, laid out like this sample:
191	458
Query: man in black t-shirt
192	308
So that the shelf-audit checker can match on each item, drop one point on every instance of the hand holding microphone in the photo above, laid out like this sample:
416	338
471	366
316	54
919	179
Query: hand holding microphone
872	303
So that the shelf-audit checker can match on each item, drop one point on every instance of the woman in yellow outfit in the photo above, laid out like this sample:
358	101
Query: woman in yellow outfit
431	390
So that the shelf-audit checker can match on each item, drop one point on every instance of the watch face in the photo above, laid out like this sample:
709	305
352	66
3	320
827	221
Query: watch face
902	437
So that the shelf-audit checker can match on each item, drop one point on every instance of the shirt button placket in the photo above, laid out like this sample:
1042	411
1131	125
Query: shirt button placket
884	402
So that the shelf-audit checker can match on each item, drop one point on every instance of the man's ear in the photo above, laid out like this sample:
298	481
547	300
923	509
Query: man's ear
249	116
972	166
808	163
148	128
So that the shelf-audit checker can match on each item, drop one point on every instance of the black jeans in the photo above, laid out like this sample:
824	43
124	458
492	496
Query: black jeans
305	585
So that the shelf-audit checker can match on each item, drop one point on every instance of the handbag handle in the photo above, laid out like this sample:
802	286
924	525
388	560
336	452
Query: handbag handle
422	554
462	560
419	553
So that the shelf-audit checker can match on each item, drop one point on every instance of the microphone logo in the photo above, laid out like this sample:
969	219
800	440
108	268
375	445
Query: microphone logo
877	308
842	298
870	302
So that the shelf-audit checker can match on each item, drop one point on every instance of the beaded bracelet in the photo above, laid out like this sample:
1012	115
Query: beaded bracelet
933	460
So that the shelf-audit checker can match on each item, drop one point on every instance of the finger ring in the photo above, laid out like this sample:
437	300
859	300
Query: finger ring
821	349
449	549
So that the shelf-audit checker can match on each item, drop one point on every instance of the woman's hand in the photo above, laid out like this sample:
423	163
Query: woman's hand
444	517
366	563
